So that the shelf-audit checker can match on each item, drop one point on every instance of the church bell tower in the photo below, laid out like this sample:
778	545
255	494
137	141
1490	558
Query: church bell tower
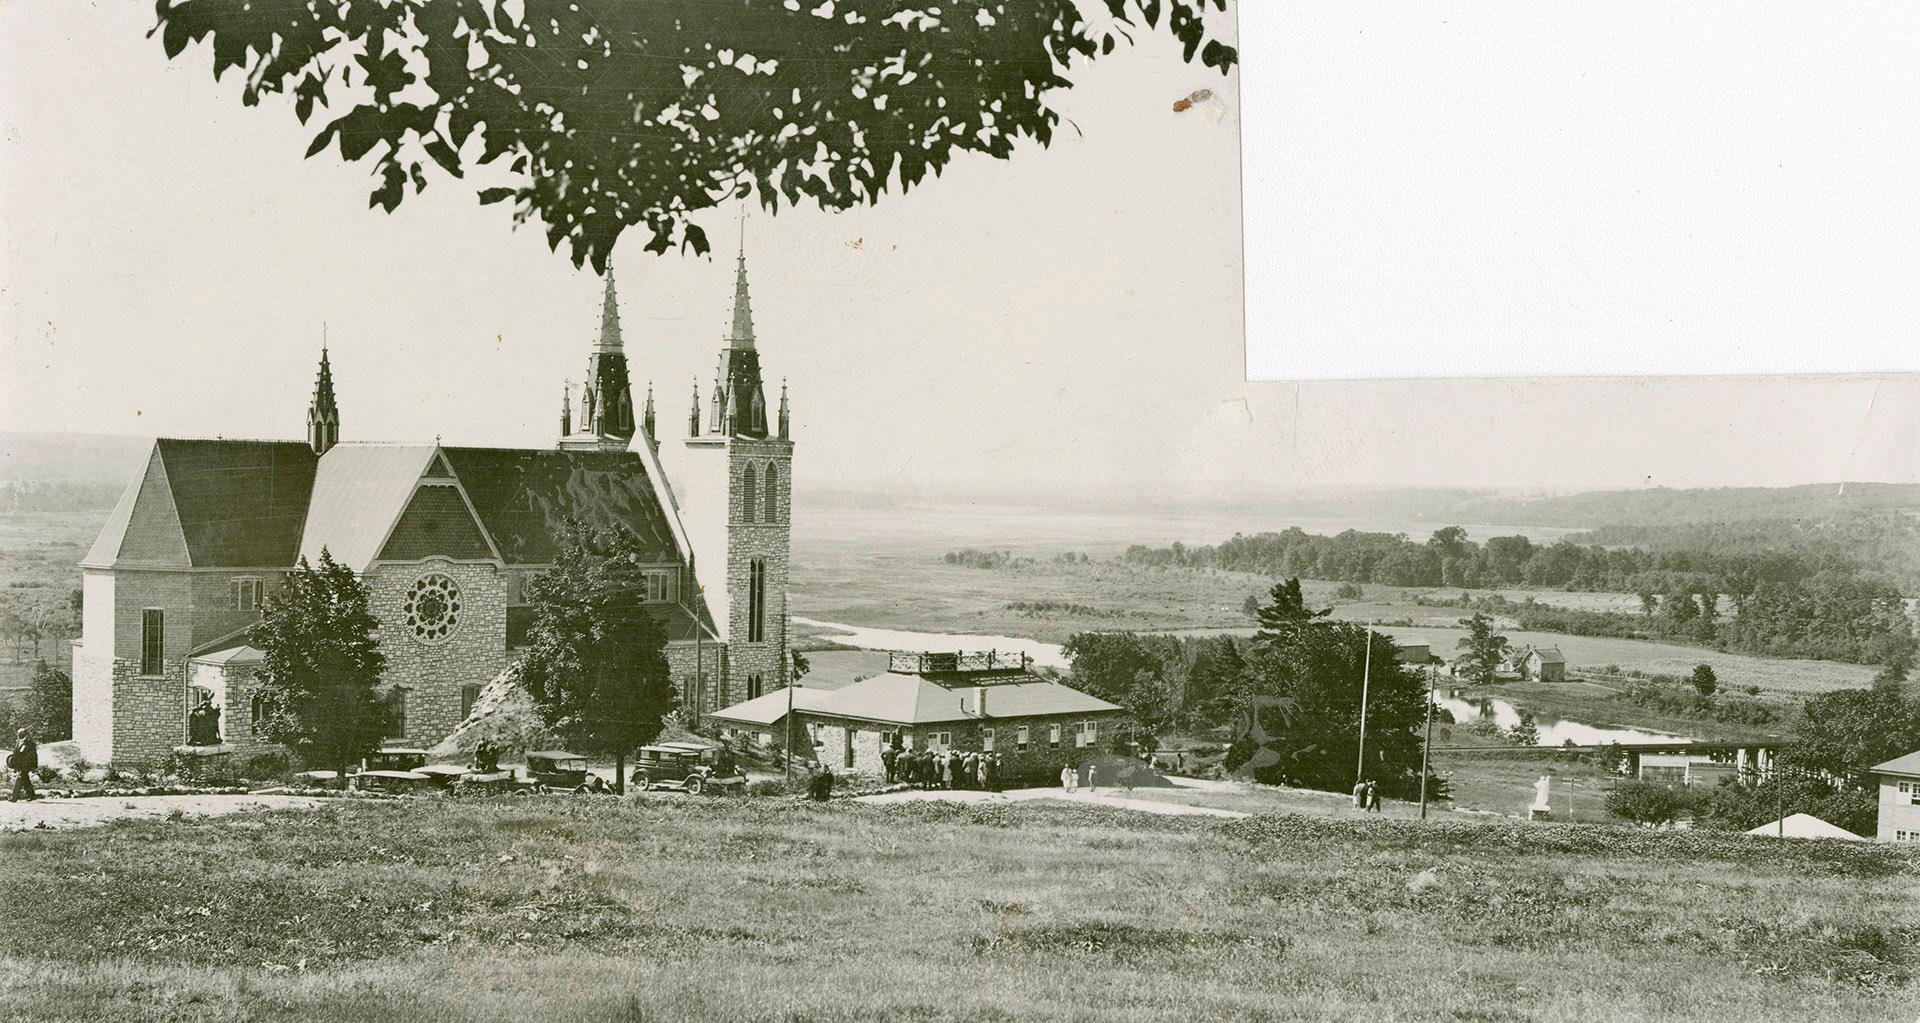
323	414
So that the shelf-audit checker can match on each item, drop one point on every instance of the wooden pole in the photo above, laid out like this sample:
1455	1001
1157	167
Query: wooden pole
1366	675
1426	747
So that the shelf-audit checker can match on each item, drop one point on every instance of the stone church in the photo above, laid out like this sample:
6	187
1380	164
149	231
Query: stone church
445	539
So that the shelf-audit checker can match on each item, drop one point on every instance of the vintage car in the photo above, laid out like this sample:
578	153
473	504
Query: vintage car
492	782
389	781
395	758
691	767
443	775
554	769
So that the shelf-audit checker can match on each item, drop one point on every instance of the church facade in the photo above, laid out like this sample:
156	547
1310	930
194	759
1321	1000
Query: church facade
446	539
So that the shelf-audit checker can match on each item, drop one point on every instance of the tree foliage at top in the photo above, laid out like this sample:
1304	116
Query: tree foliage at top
599	115
1321	669
1846	732
596	664
319	676
1286	608
1485	650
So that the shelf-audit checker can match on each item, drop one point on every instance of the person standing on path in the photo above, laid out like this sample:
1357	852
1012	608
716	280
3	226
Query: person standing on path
23	761
1068	778
1360	795
1373	796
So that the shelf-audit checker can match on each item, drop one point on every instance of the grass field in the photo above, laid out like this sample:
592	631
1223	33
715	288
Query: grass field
556	909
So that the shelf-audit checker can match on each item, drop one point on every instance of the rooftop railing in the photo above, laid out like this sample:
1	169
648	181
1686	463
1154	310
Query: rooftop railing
916	663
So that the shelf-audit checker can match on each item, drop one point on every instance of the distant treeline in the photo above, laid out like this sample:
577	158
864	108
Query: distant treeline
57	496
971	557
1890	543
1785	603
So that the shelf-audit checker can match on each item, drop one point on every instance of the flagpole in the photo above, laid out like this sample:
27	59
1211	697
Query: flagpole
1426	749
1366	677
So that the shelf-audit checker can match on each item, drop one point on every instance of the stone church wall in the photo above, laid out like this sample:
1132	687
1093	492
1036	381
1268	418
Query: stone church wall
432	674
749	538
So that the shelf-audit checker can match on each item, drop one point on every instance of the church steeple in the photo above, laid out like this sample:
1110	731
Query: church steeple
606	400
783	410
693	417
566	409
648	422
741	333
739	403
323	414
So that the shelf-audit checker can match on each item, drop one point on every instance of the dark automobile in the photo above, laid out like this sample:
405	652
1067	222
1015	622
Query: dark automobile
555	769
686	767
395	758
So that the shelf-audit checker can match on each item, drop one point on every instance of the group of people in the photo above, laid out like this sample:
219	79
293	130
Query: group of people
943	769
486	757
1366	796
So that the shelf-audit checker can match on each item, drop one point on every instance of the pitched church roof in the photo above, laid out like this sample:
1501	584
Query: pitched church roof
211	503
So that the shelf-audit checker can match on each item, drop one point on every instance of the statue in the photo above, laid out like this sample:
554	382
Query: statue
1542	798
203	725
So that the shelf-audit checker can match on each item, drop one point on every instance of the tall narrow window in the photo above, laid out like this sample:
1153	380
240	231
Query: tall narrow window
246	593
773	495
749	502
397	714
757	601
755	687
153	641
469	695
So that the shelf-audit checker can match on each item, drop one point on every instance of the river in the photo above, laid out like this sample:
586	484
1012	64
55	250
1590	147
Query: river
1553	731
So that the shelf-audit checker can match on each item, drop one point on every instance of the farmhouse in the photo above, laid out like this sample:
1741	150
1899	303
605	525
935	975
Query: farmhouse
984	702
1899	782
1543	664
446	539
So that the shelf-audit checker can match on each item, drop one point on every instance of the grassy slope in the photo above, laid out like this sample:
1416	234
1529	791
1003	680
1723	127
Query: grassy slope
577	910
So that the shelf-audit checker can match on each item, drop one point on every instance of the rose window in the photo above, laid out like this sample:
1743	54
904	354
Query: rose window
433	608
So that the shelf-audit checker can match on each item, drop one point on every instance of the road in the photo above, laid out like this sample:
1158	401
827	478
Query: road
58	814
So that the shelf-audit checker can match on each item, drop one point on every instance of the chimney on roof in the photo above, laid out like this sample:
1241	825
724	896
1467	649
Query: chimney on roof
980	701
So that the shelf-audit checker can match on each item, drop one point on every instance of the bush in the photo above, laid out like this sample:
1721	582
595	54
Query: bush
1703	679
1644	802
1349	591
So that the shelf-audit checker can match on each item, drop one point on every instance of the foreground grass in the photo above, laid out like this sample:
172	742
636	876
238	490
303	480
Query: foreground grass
595	910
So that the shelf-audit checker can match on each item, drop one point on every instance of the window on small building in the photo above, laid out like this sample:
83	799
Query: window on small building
397	714
256	714
153	641
757	601
1053	736
755	686
660	586
1906	836
986	740
247	593
939	740
469	695
1020	737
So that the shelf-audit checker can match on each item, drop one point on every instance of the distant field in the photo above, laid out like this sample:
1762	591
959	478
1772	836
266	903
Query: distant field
669	908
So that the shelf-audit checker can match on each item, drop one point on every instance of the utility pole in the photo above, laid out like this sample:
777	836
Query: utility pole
789	751
1366	675
1426	746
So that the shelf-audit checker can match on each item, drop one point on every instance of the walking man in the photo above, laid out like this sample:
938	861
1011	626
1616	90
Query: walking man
888	757
1373	796
23	761
1068	779
1360	794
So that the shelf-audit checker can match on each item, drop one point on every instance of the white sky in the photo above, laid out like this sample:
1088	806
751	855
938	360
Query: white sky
1068	321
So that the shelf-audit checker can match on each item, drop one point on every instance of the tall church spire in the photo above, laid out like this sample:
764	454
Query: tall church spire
741	334
606	401
323	414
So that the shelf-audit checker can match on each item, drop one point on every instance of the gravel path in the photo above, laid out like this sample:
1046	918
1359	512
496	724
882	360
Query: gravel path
55	813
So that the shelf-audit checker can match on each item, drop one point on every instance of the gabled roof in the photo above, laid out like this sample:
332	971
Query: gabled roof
211	503
1805	825
1550	655
770	707
1909	765
911	699
358	492
524	496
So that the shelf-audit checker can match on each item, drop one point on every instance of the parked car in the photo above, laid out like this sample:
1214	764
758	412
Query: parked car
686	767
443	775
390	781
395	758
556	769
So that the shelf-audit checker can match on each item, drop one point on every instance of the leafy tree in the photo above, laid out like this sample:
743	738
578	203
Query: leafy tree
1251	607
1742	807
1610	757
1644	802
598	115
1140	673
319	675
1846	732
1215	682
1285	610
1485	649
596	663
49	703
1320	670
1705	682
1525	733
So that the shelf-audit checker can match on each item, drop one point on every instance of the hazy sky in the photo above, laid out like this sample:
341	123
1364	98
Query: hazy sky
1069	320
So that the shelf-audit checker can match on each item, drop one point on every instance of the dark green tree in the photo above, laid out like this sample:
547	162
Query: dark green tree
1644	803
1320	669
596	663
1140	673
1705	682
599	115
1285	610
1216	682
1846	732
1524	733
319	677
1485	650
49	703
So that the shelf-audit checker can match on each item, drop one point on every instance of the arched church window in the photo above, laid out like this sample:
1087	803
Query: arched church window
770	512
749	501
433	608
756	601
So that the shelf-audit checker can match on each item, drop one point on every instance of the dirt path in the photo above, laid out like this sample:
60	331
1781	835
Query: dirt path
55	814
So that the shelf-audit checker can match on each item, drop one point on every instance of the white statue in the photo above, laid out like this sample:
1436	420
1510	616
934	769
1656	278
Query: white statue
1543	794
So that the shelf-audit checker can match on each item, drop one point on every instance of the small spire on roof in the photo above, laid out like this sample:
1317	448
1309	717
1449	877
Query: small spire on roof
741	334
609	315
